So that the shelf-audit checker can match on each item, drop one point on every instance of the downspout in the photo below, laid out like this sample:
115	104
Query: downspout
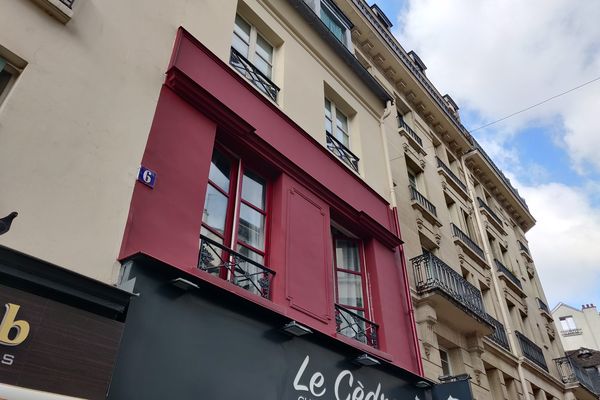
393	203
490	259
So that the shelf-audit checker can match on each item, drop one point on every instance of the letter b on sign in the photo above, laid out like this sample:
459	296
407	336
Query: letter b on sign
9	325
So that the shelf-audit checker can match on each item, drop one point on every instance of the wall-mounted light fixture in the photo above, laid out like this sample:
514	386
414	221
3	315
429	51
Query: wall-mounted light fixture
296	329
366	360
184	284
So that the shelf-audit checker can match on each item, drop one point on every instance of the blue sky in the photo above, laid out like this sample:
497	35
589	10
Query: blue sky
496	58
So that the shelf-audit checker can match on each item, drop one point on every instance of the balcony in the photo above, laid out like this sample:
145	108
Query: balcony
469	245
491	216
572	332
572	374
532	351
457	301
499	335
452	179
68	3
510	278
252	74
413	139
350	324
525	251
342	152
544	309
234	267
428	209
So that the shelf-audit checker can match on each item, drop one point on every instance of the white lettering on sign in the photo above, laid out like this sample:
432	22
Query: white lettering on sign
7	359
345	387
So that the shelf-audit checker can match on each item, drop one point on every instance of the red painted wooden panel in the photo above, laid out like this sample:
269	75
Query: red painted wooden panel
164	222
308	254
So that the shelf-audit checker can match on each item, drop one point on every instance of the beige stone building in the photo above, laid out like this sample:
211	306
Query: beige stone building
577	328
79	83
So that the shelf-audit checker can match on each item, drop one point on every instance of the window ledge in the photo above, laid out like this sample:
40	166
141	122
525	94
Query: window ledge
57	9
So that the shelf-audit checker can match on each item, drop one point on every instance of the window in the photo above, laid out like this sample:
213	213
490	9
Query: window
252	56
338	138
234	224
567	323
8	74
445	362
352	313
334	19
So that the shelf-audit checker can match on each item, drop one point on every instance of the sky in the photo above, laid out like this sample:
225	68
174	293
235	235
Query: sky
498	57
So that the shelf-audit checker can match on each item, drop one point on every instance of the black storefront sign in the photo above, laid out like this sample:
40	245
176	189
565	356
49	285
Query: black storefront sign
208	344
49	346
459	390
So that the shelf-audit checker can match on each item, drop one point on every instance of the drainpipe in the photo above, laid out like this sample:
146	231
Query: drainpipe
411	311
490	259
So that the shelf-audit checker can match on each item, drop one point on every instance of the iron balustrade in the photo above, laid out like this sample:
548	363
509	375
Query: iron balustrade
452	175
532	351
342	152
523	247
487	208
543	306
230	265
68	3
422	200
571	332
509	274
402	124
570	372
499	334
253	74
467	240
350	324
431	273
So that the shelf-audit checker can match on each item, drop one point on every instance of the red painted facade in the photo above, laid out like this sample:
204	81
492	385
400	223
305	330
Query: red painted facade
204	101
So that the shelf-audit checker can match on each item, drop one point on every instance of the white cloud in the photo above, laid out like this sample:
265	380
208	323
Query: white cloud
564	242
499	57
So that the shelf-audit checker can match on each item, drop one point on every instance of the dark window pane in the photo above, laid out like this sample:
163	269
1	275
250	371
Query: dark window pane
253	190
220	170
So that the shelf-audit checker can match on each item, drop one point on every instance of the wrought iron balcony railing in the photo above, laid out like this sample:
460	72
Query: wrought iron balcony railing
467	240
230	265
350	324
543	306
342	152
68	3
422	200
532	351
499	334
451	173
509	274
523	247
571	332
402	124
253	74
570	372
487	208
431	273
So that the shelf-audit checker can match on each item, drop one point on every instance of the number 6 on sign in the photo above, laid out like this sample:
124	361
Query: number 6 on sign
147	177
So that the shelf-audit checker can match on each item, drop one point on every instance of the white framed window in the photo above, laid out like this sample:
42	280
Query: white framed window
567	323
334	19
252	55
338	136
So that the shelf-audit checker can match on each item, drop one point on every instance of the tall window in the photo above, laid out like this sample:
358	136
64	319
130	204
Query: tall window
7	77
445	362
252	56
338	138
351	294
234	222
335	20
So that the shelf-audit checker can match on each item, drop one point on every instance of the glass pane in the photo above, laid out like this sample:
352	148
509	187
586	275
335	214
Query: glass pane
247	275
252	227
254	256
211	256
347	255
220	170
341	132
332	24
253	190
263	66
242	29
349	289
241	46
328	124
215	209
264	49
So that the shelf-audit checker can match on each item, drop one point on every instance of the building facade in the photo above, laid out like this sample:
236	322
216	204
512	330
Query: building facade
577	328
271	200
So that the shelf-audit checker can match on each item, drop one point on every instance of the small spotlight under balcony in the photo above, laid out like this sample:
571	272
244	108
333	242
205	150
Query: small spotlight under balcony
296	329
454	378
183	284
366	360
422	384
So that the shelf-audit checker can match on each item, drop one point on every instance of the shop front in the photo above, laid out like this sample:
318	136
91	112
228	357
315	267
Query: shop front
59	332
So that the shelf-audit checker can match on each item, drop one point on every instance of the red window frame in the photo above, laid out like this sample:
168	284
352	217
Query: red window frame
229	237
362	273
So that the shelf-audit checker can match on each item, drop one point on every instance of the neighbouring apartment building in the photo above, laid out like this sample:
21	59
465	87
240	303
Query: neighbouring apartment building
577	328
259	199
